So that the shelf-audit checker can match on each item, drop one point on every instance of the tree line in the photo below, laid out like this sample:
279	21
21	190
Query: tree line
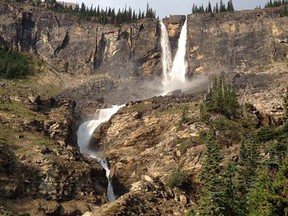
275	3
278	3
218	8
97	14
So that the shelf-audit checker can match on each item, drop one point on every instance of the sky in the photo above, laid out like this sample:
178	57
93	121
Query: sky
168	7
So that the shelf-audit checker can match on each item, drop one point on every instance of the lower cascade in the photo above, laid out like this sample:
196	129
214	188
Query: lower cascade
84	135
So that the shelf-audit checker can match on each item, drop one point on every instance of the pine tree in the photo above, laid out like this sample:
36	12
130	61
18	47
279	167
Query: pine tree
232	200
230	6
248	160
221	99
217	8
209	10
269	195
222	7
211	201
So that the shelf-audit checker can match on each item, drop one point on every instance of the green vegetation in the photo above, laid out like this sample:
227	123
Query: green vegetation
255	183
178	178
275	3
17	109
278	3
221	99
216	9
100	15
14	64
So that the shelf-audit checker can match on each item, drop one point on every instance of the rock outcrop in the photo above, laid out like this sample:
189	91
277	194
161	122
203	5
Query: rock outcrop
41	173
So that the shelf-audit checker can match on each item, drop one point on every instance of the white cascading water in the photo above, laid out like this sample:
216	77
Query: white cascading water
166	55
174	75
84	135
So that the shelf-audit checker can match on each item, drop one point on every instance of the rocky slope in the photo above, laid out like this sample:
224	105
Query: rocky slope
40	172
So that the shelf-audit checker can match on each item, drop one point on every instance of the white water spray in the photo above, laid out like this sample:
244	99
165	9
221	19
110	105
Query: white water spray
84	135
174	75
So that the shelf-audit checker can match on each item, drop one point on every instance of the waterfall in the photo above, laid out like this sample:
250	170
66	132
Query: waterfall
84	135
174	74
166	55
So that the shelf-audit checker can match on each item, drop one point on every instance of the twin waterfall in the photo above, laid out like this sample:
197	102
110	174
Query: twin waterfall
173	78
174	73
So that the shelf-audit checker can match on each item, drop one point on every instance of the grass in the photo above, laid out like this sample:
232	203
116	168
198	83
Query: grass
183	144
16	108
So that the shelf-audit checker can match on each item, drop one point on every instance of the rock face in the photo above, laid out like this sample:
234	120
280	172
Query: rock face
236	41
40	172
222	42
75	47
145	142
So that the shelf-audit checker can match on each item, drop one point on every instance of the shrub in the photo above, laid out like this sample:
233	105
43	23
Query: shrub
265	134
14	64
178	179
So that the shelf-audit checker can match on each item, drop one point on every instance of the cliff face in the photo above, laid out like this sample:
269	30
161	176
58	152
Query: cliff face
236	41
228	41
75	47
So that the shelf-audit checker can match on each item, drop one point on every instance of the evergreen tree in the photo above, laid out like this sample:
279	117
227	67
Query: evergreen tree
222	7
232	200
221	99
211	200
217	8
209	10
269	195
230	6
248	161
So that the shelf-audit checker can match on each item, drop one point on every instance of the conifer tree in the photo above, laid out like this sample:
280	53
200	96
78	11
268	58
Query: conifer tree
211	200
209	8
269	195
217	8
221	99
232	200
222	7
230	6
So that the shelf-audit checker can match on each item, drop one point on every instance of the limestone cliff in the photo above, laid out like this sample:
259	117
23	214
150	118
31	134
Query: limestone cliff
221	42
72	46
236	41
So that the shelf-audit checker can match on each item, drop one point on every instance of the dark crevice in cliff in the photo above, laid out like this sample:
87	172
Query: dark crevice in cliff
100	49
58	23
63	45
24	31
119	188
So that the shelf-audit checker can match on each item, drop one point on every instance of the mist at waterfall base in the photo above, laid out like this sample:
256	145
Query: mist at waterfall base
84	135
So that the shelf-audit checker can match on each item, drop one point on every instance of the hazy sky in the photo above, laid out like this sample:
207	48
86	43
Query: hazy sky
169	7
